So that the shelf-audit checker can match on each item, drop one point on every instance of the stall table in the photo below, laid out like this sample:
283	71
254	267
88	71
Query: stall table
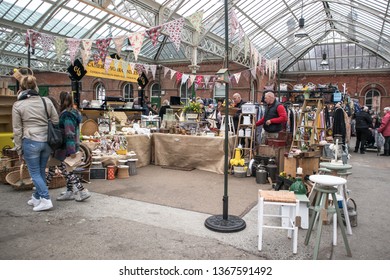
141	145
186	151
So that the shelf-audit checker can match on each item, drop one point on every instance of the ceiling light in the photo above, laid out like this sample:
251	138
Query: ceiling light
324	61
301	31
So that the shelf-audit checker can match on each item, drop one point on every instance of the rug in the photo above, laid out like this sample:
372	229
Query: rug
199	191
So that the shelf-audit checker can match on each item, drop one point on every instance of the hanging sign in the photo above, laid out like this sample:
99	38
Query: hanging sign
98	70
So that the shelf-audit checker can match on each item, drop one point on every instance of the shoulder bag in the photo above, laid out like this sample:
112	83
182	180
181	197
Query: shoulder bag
54	133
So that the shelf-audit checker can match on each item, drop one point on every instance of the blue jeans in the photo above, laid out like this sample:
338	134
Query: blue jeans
36	154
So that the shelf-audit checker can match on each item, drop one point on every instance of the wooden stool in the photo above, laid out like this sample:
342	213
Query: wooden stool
281	198
325	186
123	172
230	124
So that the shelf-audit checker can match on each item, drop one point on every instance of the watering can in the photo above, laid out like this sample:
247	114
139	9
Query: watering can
237	160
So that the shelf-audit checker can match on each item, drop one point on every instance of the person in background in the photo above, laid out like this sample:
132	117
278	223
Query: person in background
154	109
384	128
375	125
29	121
237	103
363	125
275	116
163	109
70	119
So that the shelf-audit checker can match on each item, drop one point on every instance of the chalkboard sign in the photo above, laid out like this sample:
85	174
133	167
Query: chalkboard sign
98	173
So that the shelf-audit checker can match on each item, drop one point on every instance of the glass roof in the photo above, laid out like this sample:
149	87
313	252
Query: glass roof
354	35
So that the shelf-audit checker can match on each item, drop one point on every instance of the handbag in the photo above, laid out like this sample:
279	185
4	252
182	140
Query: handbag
54	133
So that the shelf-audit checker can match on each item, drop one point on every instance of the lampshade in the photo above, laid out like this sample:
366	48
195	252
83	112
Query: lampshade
301	31
324	61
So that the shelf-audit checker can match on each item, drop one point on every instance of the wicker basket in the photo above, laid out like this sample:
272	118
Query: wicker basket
15	178
89	127
7	165
232	111
58	181
7	151
22	72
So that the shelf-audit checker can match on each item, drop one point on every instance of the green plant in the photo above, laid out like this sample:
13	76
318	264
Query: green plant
193	106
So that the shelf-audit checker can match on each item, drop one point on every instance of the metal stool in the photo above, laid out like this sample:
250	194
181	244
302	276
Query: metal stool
326	186
280	198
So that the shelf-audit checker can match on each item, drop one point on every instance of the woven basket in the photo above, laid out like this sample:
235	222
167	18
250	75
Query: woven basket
89	127
58	181
7	165
232	111
22	72
7	151
15	177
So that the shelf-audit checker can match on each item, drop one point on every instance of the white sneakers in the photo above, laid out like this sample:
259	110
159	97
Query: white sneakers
33	201
45	204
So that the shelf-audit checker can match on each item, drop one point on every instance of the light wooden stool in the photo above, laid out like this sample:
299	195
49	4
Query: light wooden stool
123	172
279	198
230	124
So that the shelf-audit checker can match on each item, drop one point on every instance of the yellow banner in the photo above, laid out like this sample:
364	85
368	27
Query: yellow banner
98	70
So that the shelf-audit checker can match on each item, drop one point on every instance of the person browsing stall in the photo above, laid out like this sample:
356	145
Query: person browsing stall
29	121
384	128
237	103
275	116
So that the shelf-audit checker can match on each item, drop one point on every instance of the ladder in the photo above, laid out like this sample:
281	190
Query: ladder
247	141
308	128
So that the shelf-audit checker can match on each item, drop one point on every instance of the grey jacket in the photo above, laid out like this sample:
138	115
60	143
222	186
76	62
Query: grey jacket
29	120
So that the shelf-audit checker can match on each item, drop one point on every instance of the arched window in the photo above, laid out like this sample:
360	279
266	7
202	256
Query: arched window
128	93
185	93
155	90
100	91
373	100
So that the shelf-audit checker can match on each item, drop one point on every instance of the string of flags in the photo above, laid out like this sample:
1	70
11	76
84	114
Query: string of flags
172	28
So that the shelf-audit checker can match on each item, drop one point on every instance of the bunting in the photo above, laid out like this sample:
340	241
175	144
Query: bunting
125	66
136	41
46	42
73	46
116	64
174	29
153	69
154	33
237	76
60	47
118	42
173	72
166	70
107	64
102	45
178	77
234	24
196	20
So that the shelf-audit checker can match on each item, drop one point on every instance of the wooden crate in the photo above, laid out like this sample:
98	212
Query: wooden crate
309	165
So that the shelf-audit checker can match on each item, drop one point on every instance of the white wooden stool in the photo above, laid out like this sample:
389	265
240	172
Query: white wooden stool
278	198
230	124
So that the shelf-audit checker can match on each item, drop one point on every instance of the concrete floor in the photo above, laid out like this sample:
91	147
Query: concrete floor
113	228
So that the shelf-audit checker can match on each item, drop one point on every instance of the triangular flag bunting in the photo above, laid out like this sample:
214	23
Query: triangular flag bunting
154	33
132	65
196	20
60	46
253	72
116	64
153	69
173	72
107	63
136	41
46	42
174	29
166	70
237	76
125	65
102	45
118	42
73	46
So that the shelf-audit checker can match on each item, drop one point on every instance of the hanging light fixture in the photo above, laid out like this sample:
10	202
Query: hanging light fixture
324	61
301	33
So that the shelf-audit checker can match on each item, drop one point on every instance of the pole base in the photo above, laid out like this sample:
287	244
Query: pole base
219	224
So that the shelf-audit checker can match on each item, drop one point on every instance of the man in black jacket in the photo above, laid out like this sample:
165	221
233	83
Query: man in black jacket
363	124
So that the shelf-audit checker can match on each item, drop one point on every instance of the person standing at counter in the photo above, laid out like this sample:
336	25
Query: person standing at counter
163	109
385	130
275	116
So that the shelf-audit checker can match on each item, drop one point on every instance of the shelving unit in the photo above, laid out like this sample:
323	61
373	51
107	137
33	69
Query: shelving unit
6	102
247	142
308	130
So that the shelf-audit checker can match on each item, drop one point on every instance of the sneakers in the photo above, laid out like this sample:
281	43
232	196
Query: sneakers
83	195
68	195
33	201
44	204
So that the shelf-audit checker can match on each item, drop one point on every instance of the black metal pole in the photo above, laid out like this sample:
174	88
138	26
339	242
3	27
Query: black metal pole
226	222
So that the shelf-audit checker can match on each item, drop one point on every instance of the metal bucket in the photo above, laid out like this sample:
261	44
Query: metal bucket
261	176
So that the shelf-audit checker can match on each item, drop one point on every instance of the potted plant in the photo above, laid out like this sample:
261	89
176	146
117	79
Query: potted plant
192	110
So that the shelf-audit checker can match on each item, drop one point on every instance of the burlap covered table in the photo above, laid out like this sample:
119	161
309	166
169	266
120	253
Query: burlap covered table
185	151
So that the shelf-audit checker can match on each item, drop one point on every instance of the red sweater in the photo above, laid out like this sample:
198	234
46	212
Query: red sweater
281	119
